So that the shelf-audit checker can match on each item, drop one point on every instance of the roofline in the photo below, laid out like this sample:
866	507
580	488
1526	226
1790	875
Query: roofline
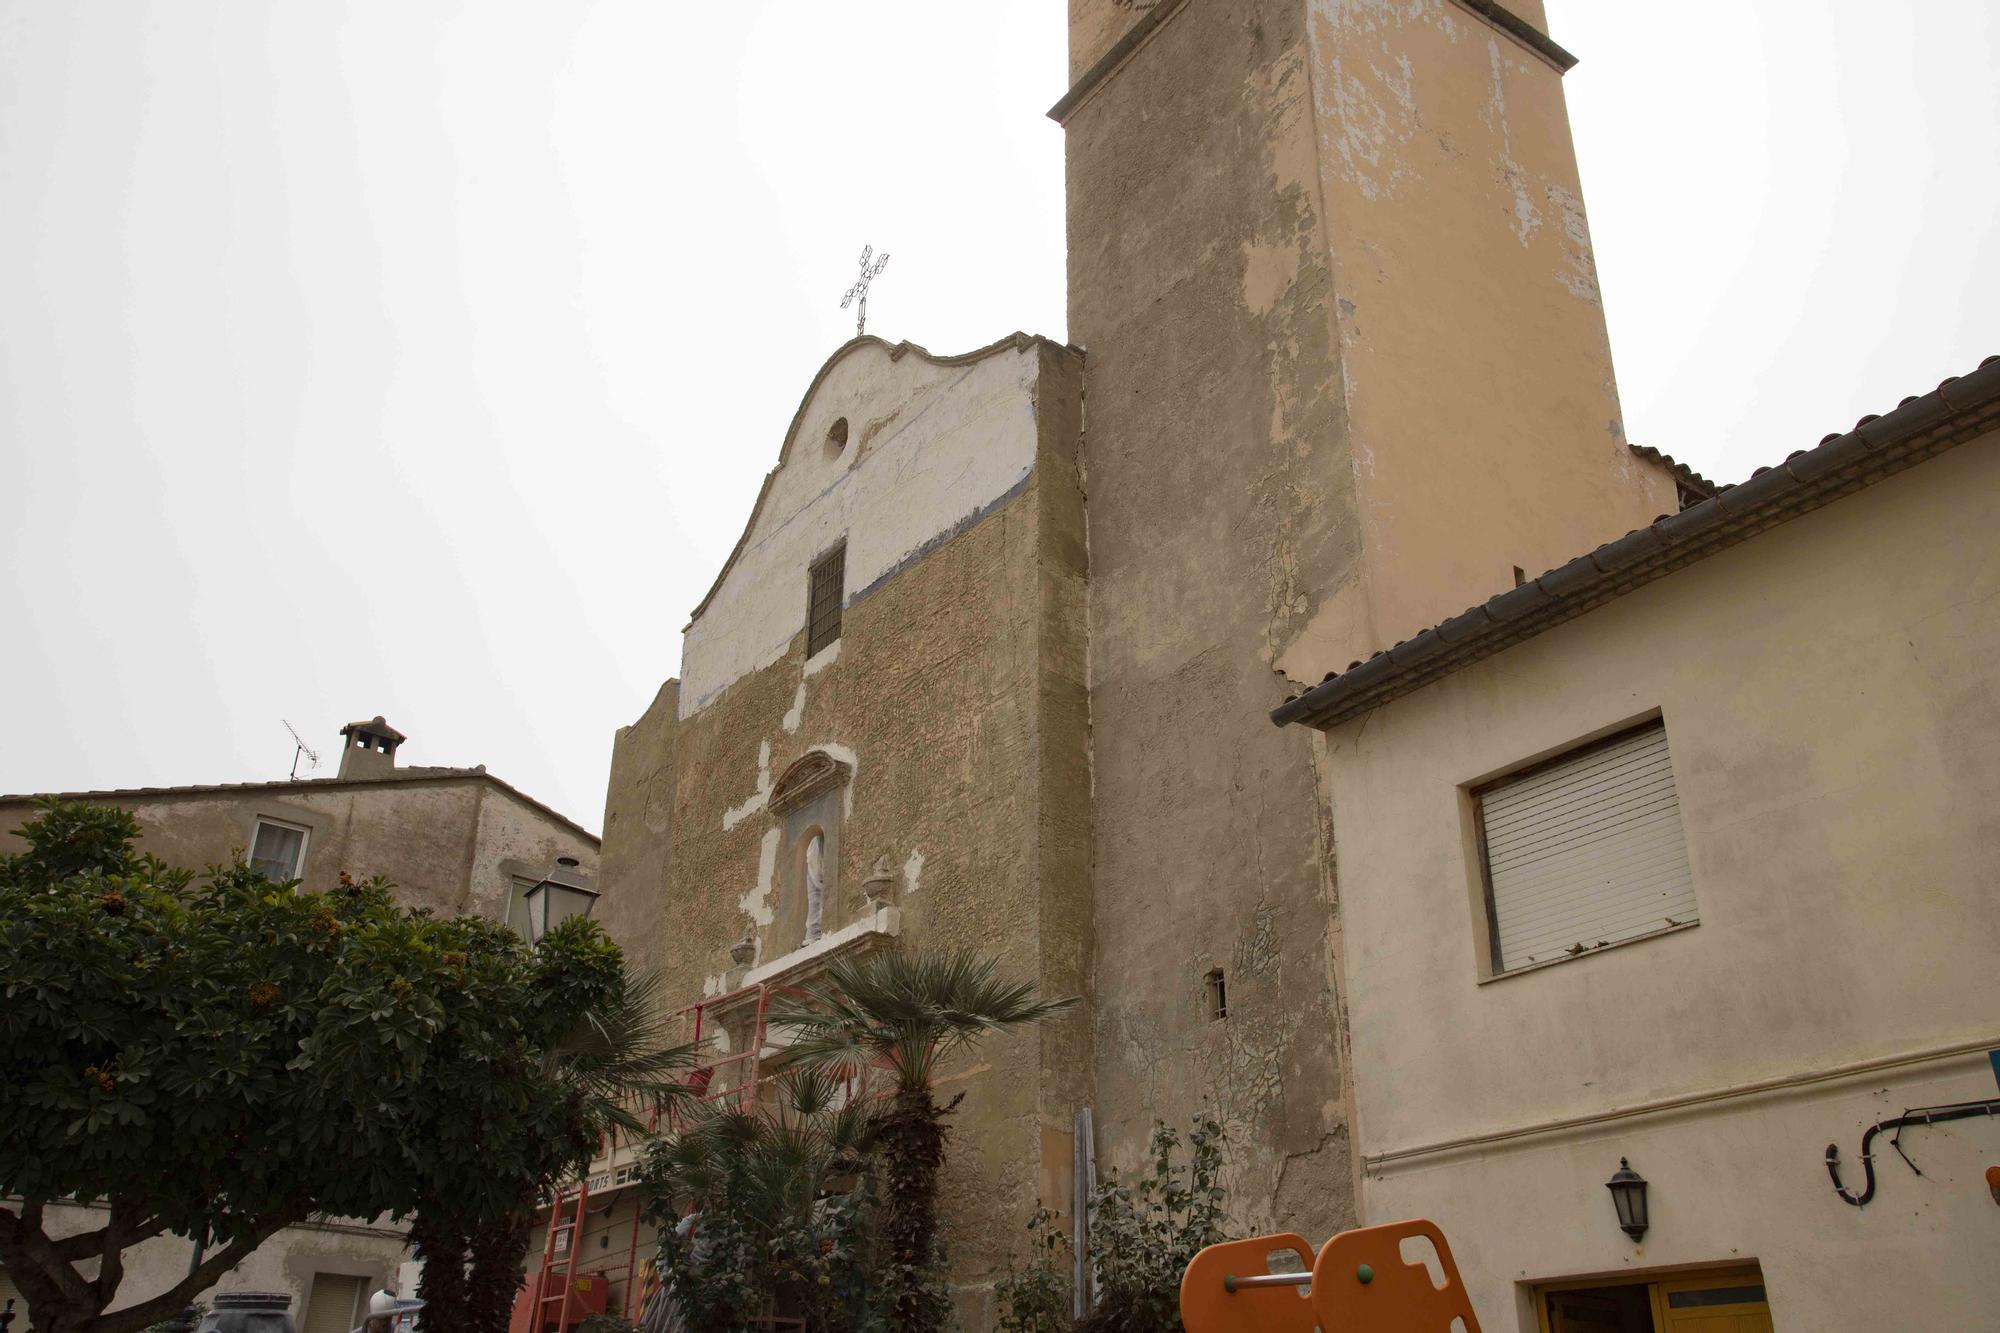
401	778
1959	410
1016	341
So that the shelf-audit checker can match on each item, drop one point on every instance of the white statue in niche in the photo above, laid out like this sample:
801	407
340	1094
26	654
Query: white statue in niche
815	885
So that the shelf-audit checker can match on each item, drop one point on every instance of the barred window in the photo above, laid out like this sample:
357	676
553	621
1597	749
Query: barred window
827	586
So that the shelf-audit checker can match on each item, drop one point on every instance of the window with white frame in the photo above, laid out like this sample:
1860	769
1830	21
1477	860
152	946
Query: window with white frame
279	850
1584	851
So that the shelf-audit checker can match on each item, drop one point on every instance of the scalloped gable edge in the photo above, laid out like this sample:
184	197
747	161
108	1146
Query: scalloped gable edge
1016	341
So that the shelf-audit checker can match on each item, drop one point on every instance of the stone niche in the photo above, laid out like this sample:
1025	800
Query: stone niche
808	802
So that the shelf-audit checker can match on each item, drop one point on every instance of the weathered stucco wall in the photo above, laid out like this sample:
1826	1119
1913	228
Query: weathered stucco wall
955	696
931	444
1347	370
636	869
1221	499
449	845
1830	693
1484	414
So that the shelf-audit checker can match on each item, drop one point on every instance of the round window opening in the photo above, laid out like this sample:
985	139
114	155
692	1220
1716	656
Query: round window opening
836	438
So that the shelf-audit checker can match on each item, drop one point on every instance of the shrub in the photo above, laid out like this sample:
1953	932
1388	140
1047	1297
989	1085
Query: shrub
1036	1299
1143	1234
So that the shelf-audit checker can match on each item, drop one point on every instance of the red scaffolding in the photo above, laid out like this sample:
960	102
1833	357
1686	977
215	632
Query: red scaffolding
558	1295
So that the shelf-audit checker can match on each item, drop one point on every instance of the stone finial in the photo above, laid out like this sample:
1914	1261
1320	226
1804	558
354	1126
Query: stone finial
879	885
741	952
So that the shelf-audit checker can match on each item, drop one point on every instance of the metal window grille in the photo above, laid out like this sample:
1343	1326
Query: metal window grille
828	585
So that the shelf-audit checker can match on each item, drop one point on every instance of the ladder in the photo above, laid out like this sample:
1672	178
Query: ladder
571	1233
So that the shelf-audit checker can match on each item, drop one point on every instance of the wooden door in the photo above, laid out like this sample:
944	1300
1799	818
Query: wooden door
1712	1303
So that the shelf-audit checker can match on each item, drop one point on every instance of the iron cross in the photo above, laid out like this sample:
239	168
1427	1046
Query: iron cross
869	272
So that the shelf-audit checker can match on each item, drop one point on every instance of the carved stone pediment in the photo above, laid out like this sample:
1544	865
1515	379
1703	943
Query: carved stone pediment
811	775
802	966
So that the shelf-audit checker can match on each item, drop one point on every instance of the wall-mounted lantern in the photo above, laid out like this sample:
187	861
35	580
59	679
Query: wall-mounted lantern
1628	1196
563	892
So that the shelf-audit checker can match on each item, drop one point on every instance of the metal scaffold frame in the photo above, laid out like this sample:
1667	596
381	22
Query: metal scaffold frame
563	1238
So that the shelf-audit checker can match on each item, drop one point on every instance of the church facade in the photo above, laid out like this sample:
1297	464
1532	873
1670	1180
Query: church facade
992	663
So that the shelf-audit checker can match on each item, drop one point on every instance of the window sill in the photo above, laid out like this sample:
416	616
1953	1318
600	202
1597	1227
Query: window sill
1526	968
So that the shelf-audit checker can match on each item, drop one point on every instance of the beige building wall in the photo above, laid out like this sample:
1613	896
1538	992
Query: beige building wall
953	702
1347	369
452	844
1831	697
455	843
288	1262
638	847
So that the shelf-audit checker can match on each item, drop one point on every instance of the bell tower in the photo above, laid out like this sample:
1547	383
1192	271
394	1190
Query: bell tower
1347	372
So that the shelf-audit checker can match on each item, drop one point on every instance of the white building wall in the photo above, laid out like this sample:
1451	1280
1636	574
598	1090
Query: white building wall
931	445
1831	692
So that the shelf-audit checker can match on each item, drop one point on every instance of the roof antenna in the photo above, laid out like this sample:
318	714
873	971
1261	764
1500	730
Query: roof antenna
304	750
860	288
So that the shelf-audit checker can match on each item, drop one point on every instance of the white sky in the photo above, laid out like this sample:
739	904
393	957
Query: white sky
425	358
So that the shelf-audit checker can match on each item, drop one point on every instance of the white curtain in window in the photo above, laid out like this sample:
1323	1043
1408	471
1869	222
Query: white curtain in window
277	849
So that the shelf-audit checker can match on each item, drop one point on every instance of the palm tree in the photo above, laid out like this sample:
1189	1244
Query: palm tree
904	1014
775	1221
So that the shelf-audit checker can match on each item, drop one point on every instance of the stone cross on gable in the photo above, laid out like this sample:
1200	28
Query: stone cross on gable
869	272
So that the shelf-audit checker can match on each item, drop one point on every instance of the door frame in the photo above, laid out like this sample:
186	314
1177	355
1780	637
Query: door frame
1719	1275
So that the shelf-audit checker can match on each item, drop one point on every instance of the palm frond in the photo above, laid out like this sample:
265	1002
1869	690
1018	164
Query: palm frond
904	1012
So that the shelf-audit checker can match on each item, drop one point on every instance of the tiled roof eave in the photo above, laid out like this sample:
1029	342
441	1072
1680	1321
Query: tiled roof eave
1958	411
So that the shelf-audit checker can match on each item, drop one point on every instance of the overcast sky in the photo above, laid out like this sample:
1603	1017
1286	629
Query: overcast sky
425	358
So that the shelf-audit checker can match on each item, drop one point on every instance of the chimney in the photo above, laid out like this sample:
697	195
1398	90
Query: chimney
368	749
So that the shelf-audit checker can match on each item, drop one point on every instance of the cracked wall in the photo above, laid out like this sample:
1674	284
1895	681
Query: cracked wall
1347	369
1222	501
954	697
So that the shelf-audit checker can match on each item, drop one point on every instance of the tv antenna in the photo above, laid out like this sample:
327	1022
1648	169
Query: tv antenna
304	751
869	272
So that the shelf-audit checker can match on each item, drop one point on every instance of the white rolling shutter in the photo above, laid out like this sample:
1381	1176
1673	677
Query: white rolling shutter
1586	851
334	1304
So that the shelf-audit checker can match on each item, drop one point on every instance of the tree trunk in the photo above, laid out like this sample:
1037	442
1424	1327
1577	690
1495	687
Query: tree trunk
913	1137
498	1251
442	1247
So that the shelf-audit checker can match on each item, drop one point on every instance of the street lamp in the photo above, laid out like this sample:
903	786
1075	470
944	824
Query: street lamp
562	893
1628	1196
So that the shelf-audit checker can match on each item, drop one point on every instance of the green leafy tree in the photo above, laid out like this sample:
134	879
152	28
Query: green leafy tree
1143	1234
904	1014
220	1056
767	1210
614	1060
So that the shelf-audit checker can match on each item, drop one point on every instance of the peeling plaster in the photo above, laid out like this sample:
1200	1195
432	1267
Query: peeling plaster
756	904
835	750
965	439
913	869
755	802
1526	217
1578	272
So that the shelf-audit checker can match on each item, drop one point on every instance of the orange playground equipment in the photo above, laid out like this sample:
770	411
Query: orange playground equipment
1362	1281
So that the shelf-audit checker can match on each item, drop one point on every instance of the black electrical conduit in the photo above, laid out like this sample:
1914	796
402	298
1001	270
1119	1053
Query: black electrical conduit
1922	1115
